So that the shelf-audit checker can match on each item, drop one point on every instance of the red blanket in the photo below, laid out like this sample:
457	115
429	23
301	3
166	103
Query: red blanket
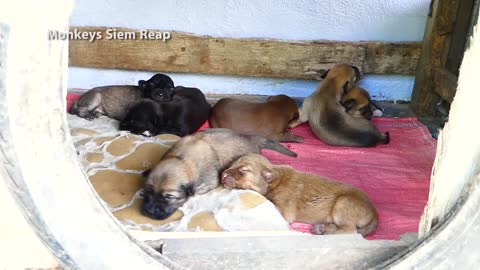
395	176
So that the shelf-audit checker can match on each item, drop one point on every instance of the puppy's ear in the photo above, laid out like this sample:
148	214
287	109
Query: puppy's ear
349	103
267	175
346	87
357	73
324	75
366	111
141	84
146	173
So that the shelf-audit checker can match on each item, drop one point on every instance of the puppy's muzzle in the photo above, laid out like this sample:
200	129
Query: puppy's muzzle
228	179
156	209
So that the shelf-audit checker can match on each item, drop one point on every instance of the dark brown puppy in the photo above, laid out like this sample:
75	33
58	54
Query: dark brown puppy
331	207
328	118
358	103
193	166
269	119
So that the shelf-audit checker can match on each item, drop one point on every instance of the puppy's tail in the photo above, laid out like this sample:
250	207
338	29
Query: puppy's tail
265	143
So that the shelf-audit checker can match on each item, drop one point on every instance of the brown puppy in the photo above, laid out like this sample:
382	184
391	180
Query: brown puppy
193	165
358	103
267	119
328	118
331	207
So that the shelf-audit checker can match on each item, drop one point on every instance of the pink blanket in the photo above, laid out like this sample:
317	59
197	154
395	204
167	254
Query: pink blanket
395	176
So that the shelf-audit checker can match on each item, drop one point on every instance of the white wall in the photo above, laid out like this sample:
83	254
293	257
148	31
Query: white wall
354	20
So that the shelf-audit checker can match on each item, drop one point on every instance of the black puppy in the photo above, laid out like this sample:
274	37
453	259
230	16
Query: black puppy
143	118
159	88
185	113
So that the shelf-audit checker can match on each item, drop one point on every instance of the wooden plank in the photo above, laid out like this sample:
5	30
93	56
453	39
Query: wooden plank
434	54
460	36
190	53
444	84
442	32
392	58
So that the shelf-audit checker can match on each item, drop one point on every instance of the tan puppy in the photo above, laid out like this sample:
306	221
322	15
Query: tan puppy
193	166
328	118
358	103
268	119
331	207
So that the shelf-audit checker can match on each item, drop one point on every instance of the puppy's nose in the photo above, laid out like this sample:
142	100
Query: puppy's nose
153	210
227	178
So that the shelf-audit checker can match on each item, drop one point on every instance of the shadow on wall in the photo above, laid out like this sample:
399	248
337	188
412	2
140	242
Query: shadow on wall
381	87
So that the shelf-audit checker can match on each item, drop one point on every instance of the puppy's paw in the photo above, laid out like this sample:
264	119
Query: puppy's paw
377	113
319	228
147	133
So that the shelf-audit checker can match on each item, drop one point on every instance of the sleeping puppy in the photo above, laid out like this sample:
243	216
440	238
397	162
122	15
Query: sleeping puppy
328	118
159	88
113	101
269	119
192	166
144	118
331	207
358	103
185	113
116	100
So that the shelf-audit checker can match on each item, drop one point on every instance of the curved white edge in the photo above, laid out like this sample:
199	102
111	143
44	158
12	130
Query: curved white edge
40	165
453	244
44	176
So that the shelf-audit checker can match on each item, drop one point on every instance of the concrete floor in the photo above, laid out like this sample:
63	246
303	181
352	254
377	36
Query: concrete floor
403	110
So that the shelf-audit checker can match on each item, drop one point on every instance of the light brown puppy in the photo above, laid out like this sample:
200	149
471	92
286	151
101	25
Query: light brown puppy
328	118
192	166
358	103
269	119
331	207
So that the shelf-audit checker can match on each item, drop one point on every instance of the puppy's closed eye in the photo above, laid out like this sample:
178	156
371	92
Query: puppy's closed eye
244	169
170	197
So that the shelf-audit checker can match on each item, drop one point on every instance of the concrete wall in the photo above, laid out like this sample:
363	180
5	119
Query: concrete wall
354	20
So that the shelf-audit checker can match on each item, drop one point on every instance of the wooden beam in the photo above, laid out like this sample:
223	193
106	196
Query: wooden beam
444	83
435	49
190	53
392	58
